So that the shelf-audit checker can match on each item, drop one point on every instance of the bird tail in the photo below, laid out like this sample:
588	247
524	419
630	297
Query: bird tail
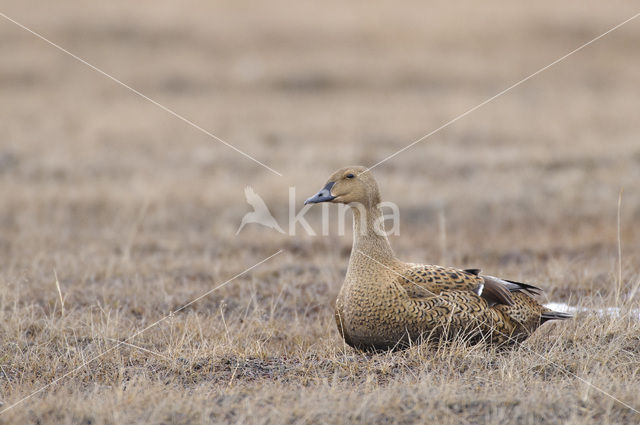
555	315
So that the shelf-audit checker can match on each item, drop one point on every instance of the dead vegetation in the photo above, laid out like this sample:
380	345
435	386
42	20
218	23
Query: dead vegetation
136	212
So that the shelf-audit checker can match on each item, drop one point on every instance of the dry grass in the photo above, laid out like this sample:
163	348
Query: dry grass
121	213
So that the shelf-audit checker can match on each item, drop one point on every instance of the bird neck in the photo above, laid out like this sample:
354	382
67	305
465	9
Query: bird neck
369	236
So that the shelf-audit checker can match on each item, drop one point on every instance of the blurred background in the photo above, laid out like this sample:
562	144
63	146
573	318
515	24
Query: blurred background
91	174
113	212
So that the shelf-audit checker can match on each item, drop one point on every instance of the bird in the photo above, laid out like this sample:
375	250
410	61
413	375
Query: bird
260	213
385	303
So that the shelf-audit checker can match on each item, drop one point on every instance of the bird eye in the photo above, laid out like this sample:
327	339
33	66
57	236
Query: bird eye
349	176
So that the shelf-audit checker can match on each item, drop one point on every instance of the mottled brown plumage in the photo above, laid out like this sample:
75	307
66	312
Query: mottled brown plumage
386	303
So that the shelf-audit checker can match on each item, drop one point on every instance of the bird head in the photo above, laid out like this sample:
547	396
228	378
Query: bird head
354	184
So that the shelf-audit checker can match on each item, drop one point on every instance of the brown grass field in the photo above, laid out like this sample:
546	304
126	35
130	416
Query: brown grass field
135	211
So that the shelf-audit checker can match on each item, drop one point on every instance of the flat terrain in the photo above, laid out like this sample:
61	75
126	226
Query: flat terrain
134	212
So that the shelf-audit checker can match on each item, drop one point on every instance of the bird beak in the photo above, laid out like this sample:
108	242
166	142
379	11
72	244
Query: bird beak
323	196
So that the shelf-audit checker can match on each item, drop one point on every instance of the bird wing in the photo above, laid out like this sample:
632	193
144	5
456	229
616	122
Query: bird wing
432	280
428	280
254	199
